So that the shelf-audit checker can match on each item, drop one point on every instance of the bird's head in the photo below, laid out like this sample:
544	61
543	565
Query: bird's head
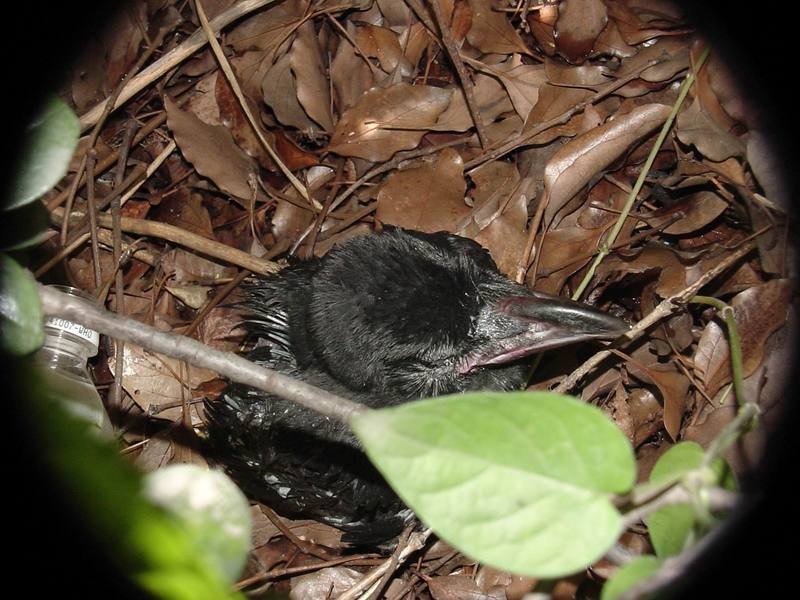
405	315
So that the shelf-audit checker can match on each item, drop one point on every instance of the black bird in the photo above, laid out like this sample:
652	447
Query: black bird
381	319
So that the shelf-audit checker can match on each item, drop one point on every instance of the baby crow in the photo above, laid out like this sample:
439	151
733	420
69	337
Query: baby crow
381	319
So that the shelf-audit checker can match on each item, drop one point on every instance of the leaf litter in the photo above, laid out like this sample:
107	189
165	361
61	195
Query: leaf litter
360	101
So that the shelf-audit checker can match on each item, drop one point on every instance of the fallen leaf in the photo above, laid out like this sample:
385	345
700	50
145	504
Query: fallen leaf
212	151
305	59
387	120
759	311
280	94
491	32
584	157
425	198
578	25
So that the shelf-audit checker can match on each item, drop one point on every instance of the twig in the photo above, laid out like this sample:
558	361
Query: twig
461	71
91	208
665	308
227	364
115	396
187	239
718	499
237	91
415	542
634	193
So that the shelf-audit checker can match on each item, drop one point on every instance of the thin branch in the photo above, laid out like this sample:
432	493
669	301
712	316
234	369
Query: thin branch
227	364
187	239
237	91
415	542
664	309
634	193
461	71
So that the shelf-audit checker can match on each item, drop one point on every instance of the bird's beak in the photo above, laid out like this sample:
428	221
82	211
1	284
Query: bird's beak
525	325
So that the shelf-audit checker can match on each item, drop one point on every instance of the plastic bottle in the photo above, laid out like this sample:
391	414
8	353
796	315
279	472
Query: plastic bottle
62	361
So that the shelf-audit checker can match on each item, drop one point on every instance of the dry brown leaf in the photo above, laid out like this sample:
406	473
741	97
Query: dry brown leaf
185	267
520	80
672	384
579	23
350	74
552	102
268	31
498	222
584	157
588	76
425	198
323	584
387	120
461	587
491	32
696	127
759	311
305	59
699	210
382	43
212	151
152	381
279	92
490	97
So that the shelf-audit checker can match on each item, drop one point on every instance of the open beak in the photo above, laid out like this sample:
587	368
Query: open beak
525	325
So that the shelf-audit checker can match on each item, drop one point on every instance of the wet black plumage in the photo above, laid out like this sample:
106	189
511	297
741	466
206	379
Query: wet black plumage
381	319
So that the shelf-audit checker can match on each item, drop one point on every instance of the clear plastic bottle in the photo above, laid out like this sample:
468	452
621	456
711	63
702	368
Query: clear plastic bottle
62	361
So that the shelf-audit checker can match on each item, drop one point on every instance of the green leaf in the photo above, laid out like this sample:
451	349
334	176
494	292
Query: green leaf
21	317
674	527
148	544
635	571
49	143
520	481
213	510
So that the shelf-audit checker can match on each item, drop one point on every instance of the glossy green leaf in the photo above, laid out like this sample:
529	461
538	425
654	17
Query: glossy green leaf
213	510
46	151
674	527
521	481
21	317
635	571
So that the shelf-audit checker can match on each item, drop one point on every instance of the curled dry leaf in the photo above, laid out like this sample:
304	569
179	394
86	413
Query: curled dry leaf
305	59
381	43
212	151
426	198
387	120
673	387
280	94
584	157
522	82
759	311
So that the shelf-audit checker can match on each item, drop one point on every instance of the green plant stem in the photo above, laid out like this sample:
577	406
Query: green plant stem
747	410
734	343
605	248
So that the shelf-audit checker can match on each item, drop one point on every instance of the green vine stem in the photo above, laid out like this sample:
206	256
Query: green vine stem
747	410
605	248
